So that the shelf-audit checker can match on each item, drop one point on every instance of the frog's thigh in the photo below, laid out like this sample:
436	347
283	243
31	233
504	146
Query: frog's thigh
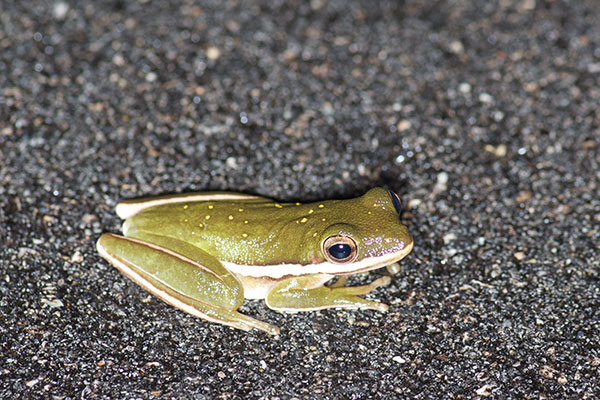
306	293
181	275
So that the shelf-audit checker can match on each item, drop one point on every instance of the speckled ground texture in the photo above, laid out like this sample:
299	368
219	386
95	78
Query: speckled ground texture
483	115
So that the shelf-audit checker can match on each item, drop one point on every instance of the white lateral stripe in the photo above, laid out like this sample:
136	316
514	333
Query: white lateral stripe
131	207
279	270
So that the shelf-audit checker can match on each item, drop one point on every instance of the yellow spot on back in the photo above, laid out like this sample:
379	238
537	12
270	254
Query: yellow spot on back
245	235
185	207
311	211
324	219
210	206
315	234
185	220
321	205
374	204
246	221
207	217
230	217
240	209
201	225
303	220
278	205
369	212
298	204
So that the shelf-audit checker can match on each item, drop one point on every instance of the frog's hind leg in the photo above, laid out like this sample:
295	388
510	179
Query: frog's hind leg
183	276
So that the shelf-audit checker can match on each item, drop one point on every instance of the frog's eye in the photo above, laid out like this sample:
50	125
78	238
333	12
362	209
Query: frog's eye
396	202
339	249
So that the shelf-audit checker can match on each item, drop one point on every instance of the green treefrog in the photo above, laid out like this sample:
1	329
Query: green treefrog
205	252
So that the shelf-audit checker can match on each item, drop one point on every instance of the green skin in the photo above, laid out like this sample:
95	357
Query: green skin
205	252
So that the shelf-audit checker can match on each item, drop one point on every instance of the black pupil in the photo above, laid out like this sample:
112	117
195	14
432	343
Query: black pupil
340	251
396	202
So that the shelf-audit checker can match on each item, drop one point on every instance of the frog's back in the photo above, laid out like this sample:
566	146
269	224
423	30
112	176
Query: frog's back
128	208
239	228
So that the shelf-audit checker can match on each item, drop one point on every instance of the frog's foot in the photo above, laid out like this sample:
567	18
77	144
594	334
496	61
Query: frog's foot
183	276
304	293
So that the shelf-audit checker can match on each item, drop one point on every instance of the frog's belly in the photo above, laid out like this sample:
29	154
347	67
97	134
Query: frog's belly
258	288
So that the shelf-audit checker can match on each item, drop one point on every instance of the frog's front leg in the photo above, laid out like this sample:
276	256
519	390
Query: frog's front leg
181	275
307	293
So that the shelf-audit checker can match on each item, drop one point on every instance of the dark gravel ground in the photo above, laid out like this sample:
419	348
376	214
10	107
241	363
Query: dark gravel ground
483	115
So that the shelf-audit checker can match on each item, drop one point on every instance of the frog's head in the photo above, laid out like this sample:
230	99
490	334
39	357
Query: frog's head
366	234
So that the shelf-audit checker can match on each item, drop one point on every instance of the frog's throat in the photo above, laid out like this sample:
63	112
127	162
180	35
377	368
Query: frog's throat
281	270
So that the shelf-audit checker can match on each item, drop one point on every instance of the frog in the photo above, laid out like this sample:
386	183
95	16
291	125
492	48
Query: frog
206	252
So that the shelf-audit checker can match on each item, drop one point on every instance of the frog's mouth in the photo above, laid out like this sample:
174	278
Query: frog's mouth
280	270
